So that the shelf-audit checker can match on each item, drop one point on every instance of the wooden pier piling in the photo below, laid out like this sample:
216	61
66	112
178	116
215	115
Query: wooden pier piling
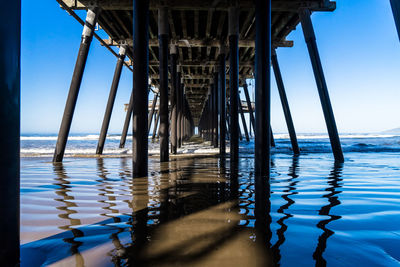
216	109
234	81
10	76
396	14
263	87
153	109
173	99
244	124
127	121
285	104
87	36
140	88
222	101
163	39
111	100
310	39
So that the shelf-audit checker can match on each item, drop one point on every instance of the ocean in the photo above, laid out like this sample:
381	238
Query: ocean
196	211
43	145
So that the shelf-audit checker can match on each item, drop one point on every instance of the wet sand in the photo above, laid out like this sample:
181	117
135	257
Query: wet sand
194	211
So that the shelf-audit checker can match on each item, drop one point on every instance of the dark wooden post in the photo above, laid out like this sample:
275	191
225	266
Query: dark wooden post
111	100
309	36
246	132
271	134
87	36
222	101
263	87
211	114
182	111
250	108
153	108
178	108
174	90
10	71
155	125
163	38
140	87
285	104
234	82
128	116
216	104
186	115
396	14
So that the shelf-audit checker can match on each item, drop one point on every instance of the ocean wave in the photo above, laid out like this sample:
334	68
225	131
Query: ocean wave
90	137
88	151
342	136
94	137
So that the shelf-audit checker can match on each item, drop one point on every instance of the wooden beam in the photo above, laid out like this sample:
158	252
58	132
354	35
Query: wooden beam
202	77
196	43
171	24
282	5
250	19
209	63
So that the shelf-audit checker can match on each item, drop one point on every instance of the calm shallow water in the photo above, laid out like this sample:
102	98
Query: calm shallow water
197	212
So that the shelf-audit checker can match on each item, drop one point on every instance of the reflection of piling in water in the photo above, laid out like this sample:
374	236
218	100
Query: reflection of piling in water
68	204
332	196
107	191
290	191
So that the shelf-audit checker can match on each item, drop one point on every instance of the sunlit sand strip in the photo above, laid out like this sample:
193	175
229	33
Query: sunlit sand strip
207	238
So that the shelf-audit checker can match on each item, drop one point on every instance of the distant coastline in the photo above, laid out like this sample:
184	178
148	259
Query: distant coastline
392	131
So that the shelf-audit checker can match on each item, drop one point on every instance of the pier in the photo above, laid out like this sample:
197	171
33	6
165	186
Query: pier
194	57
190	51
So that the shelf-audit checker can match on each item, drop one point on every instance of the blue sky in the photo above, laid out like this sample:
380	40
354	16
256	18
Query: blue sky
358	45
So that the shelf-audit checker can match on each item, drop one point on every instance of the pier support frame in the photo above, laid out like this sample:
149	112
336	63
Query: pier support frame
111	100
285	104
163	37
174	89
396	14
222	101
309	36
140	87
10	71
87	36
263	87
234	82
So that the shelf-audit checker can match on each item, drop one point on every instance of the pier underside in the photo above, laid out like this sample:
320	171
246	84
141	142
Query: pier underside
199	28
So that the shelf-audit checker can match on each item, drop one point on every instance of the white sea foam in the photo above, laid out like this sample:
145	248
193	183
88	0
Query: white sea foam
91	137
95	137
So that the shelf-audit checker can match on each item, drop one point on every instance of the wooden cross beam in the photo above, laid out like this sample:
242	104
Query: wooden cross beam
281	5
